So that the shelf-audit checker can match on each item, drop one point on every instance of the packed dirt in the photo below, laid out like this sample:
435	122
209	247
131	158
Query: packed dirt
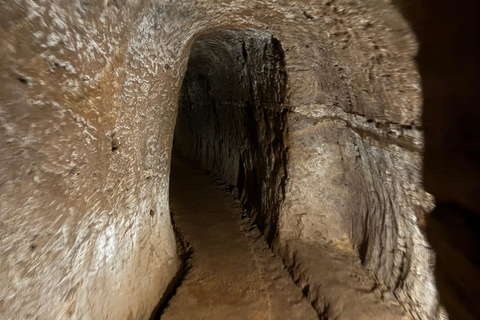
231	273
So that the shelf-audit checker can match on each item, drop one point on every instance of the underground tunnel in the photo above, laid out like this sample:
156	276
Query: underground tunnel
231	123
232	117
239	160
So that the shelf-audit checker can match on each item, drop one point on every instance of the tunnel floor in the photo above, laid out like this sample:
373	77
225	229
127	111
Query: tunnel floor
232	274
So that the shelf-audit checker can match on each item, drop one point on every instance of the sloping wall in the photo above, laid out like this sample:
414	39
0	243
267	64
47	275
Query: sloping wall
85	138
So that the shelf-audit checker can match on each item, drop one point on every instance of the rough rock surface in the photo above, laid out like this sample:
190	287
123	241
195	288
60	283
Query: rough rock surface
85	160
88	102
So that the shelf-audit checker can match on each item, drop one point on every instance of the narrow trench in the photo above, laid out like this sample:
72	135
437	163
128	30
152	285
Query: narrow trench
227	182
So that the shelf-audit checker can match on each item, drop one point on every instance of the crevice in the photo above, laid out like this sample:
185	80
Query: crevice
115	144
23	80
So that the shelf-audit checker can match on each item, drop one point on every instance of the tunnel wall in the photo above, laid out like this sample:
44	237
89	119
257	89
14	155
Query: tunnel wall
88	103
84	219
231	118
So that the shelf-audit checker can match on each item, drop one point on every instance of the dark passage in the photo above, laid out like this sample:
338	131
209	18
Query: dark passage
231	123
232	117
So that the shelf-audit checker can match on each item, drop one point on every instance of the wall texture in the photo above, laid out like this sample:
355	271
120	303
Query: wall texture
88	102
85	137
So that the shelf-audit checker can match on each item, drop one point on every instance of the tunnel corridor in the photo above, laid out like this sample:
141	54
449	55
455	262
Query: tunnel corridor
232	124
239	159
232	117
232	127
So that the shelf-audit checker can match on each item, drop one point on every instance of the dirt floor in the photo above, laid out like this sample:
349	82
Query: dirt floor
231	273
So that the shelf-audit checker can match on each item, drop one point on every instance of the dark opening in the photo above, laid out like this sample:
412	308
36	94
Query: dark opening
232	117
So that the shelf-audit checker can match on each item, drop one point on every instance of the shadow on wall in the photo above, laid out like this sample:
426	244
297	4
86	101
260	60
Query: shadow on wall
232	117
449	64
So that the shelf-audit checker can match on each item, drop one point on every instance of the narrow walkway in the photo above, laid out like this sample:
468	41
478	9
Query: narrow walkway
232	273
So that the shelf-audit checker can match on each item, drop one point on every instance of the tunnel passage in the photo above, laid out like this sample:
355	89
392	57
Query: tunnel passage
232	117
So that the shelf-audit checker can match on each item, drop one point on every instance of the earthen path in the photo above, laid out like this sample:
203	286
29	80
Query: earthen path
232	273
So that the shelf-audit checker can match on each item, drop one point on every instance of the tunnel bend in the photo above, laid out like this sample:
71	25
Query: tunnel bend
232	116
